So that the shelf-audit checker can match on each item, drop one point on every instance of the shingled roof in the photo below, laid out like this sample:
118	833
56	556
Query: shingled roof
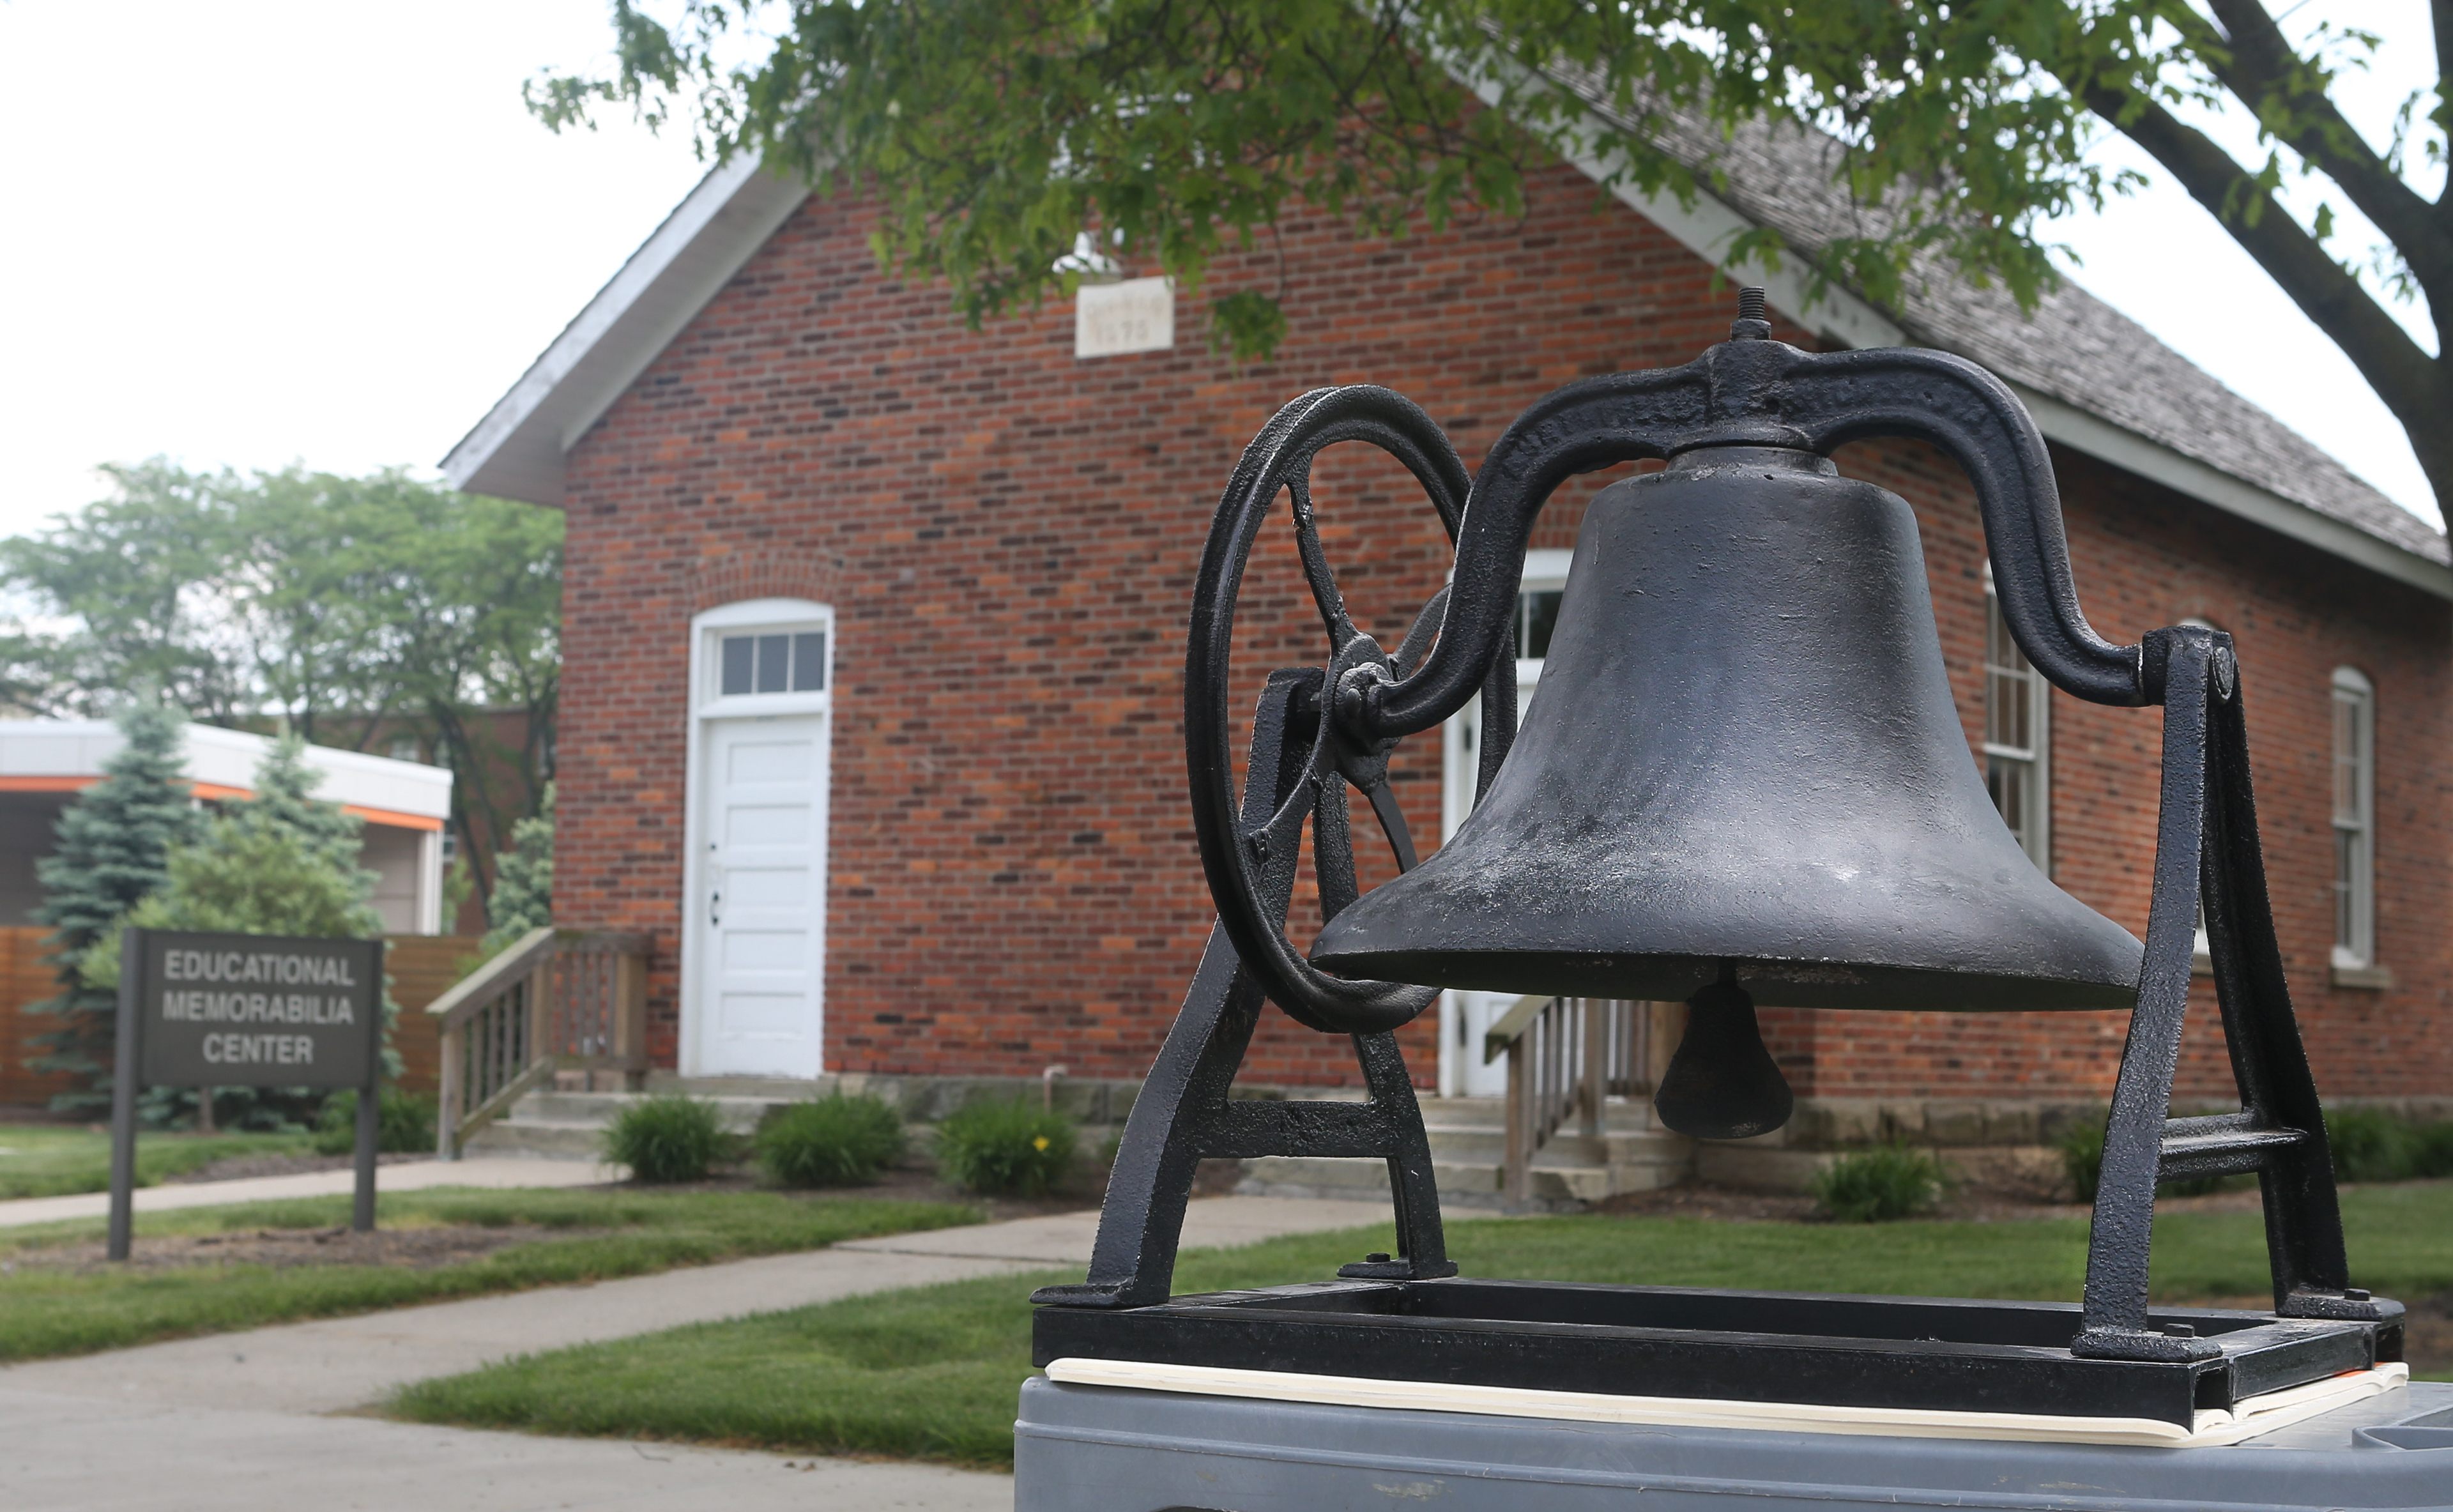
2073	346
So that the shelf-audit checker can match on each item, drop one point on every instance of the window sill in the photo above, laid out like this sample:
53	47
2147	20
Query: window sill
2378	978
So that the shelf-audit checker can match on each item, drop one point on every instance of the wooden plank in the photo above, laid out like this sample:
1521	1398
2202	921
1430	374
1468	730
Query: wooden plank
25	977
424	966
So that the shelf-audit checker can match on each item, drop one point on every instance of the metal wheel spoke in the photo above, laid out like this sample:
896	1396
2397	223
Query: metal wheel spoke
1392	824
1420	635
1317	572
1332	850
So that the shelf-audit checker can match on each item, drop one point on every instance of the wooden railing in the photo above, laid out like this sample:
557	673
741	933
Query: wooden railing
1567	1057
555	1000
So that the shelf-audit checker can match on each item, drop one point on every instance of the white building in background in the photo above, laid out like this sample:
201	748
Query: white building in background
44	763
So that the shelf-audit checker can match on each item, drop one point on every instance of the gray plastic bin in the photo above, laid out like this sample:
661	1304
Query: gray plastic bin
1102	1449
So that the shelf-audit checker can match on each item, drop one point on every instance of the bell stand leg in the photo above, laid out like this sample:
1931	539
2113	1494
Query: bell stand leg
2206	842
1184	1114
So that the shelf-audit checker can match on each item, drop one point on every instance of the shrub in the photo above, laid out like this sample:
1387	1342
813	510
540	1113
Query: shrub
2371	1144
2082	1150
992	1147
1878	1185
836	1141
404	1123
2432	1153
666	1139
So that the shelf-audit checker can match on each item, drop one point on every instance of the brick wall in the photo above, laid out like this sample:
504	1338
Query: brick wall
1008	538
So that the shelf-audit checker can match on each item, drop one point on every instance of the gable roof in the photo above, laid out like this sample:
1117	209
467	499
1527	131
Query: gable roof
2072	348
2095	380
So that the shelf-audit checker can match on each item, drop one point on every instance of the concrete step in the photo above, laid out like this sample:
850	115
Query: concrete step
1633	1114
537	1140
1616	1147
1556	1184
740	1114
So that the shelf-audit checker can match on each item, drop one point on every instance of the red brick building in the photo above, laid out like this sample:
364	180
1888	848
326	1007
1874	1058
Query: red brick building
874	632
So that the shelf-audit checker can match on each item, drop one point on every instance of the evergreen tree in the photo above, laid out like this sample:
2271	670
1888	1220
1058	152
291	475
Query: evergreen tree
284	799
114	842
523	897
282	862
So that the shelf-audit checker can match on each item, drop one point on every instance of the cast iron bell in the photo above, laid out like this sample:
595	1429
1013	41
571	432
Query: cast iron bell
1744	782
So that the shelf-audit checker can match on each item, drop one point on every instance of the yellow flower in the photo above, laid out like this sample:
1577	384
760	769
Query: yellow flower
1039	1144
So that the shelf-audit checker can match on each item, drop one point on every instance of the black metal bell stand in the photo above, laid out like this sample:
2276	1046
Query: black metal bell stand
1319	730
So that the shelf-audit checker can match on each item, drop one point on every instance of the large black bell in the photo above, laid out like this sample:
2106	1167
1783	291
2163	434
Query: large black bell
1743	768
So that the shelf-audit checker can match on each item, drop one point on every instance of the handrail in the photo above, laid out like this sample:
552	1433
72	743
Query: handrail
1502	1036
1565	1056
555	1000
500	972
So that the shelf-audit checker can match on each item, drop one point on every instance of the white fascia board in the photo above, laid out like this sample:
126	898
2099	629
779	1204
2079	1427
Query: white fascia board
2081	432
1708	227
228	757
516	451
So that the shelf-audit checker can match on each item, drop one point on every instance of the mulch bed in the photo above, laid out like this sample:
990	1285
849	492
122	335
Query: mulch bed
287	1248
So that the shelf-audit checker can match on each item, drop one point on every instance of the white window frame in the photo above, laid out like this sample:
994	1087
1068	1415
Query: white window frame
707	704
2351	689
765	617
1546	571
2202	950
2036	825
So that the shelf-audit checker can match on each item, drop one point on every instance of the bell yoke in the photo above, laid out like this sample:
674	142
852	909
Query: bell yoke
1745	783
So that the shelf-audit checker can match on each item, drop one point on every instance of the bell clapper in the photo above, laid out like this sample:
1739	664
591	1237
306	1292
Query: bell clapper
1723	1084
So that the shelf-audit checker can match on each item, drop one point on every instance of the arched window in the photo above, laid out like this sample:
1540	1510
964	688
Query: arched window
2018	706
2354	804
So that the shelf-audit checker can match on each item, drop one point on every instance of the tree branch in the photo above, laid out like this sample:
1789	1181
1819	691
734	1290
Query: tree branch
2413	384
2441	14
2261	66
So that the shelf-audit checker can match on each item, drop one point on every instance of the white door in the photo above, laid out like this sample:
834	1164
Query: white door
760	907
1465	1016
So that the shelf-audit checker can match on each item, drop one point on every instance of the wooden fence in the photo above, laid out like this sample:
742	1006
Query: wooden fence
422	968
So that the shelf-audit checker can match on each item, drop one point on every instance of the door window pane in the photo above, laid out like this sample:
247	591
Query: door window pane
774	663
810	662
782	662
1537	615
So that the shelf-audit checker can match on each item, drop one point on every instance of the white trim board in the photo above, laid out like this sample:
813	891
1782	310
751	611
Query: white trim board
517	450
2258	1415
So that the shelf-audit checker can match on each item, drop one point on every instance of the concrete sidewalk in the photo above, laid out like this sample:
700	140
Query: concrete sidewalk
205	1425
408	1175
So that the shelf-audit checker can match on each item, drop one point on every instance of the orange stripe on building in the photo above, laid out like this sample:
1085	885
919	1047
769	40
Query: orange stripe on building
213	792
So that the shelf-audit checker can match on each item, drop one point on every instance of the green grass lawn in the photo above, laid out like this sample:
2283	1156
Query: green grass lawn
54	1311
52	1160
931	1373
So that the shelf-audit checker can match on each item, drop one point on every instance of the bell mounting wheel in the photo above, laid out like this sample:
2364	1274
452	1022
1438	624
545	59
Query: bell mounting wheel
1250	861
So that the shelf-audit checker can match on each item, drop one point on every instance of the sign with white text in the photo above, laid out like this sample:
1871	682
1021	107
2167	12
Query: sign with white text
258	1010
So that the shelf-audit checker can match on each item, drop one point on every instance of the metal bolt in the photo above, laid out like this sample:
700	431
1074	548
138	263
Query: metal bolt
1377	1256
2355	1294
2182	1330
1261	847
1751	304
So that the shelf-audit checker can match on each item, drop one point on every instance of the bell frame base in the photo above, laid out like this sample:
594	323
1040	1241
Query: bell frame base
1905	1352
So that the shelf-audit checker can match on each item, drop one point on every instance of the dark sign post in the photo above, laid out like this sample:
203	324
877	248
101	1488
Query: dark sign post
245	1011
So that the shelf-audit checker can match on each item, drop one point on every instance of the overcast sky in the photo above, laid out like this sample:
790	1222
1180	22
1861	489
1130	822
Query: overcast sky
255	232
